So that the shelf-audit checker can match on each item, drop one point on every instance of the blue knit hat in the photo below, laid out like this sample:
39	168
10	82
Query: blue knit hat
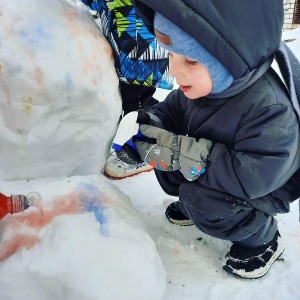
174	39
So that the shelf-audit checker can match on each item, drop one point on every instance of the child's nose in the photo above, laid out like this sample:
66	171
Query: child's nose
174	67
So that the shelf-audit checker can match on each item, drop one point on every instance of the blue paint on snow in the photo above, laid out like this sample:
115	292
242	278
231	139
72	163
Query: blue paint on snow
91	202
69	82
38	35
97	210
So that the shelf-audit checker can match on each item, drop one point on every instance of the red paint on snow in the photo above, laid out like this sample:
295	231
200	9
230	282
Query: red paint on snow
11	246
64	205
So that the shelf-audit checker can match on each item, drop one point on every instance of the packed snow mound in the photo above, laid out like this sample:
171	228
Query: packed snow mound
87	243
58	87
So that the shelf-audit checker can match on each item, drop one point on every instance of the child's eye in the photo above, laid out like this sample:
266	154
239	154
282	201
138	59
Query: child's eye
192	62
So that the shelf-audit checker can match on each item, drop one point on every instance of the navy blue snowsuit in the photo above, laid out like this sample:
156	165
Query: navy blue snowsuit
255	133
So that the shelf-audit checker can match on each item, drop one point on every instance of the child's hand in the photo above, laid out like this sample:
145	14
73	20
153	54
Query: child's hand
173	152
160	155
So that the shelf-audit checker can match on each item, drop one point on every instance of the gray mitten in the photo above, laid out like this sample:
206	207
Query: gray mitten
171	152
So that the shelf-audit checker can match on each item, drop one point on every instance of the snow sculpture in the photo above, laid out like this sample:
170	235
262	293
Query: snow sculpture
59	100
88	243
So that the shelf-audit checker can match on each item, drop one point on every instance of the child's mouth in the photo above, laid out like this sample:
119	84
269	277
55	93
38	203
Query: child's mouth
185	88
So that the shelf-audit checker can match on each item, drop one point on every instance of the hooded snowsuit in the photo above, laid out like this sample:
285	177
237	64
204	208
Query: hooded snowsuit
254	127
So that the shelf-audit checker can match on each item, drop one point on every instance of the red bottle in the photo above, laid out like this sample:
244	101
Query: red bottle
18	203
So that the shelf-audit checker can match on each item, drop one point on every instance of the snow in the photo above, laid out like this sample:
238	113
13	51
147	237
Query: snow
58	91
87	243
292	39
193	260
97	238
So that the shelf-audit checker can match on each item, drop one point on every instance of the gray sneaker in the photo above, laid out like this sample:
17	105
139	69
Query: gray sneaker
117	169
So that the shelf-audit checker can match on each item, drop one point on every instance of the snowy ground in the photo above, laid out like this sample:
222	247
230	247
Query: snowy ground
193	260
100	239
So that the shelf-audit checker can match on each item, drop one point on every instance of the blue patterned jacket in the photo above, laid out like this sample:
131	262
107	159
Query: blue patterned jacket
138	57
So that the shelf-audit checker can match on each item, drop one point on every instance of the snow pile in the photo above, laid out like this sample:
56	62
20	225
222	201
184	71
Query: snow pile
59	102
87	243
194	260
59	108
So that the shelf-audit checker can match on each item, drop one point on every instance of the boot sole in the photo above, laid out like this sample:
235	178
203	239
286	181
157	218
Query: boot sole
118	177
180	222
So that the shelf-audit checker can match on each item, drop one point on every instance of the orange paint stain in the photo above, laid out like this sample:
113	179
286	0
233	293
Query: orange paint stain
65	205
177	251
106	199
90	32
37	219
11	246
88	63
71	15
38	74
94	81
108	51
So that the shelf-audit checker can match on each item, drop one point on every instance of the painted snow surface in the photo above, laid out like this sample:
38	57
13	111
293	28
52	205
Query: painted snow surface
58	90
88	242
92	242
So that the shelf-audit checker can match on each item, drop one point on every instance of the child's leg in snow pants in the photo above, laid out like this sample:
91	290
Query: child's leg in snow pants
249	222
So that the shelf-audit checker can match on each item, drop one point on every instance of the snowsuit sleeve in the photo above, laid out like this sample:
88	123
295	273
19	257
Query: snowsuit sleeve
261	157
170	112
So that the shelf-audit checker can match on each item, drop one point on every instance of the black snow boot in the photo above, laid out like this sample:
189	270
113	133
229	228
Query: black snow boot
175	216
252	263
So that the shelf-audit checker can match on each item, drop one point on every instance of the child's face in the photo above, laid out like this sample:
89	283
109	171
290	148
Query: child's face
192	77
